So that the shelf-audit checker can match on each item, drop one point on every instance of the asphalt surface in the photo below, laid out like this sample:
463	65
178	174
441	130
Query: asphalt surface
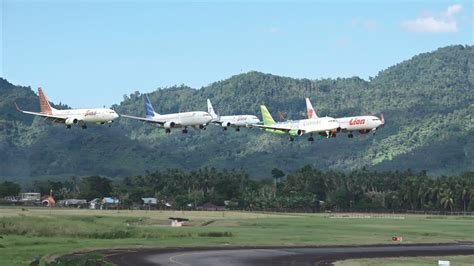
278	255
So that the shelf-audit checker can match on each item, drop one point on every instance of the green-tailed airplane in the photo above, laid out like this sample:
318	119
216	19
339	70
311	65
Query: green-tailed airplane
326	126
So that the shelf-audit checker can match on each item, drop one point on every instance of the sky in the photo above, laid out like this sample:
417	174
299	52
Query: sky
89	53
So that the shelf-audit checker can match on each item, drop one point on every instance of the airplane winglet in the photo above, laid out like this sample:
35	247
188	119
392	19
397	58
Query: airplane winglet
382	119
18	108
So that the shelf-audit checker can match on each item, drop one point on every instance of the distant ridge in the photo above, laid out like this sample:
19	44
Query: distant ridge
427	101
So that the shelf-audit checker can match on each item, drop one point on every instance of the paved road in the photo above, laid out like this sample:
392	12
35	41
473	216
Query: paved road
277	255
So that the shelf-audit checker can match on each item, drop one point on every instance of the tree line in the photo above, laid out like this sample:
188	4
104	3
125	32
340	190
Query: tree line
306	189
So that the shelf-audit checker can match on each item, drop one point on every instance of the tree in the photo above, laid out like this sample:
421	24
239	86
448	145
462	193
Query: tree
277	174
447	199
95	187
8	188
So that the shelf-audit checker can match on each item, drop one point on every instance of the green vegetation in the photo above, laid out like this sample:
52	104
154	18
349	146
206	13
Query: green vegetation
427	102
8	188
416	261
44	234
306	190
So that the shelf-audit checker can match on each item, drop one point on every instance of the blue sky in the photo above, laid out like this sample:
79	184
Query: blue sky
91	53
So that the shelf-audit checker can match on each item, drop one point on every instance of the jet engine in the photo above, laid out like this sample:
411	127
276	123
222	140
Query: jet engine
71	120
169	124
296	132
226	124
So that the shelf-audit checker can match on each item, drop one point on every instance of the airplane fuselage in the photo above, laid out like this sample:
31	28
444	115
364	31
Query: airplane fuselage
321	124
359	123
94	115
238	120
185	119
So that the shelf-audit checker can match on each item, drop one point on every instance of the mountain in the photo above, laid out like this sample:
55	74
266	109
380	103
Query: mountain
427	101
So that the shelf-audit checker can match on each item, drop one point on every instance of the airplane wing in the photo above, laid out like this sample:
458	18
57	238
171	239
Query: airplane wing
285	129
217	122
144	119
56	118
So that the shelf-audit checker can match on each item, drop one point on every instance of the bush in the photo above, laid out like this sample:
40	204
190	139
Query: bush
216	234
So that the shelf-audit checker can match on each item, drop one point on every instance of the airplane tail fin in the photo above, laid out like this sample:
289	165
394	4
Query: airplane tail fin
267	117
210	110
150	112
310	110
44	103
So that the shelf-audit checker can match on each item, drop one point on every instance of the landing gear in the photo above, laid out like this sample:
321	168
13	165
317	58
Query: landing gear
84	126
350	135
311	139
168	130
68	126
224	128
237	129
201	127
185	131
290	138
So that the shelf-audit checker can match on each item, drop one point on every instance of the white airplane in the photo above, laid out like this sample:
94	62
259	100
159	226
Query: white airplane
364	124
236	121
197	119
72	116
325	126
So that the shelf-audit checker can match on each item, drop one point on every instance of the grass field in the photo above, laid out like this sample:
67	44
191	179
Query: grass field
29	234
418	261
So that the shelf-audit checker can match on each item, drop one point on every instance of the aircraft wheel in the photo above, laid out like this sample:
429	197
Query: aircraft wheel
350	136
224	128
68	126
291	138
237	129
185	131
168	130
310	139
84	127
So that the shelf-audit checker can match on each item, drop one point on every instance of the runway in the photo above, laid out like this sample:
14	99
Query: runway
278	255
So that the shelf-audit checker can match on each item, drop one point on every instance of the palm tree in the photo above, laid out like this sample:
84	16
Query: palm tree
447	199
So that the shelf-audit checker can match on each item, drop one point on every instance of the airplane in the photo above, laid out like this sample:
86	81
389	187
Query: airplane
236	121
71	117
364	124
325	126
196	119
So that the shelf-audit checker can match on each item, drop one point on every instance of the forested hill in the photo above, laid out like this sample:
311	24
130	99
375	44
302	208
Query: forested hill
427	101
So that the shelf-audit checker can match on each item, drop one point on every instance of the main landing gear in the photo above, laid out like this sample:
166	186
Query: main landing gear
185	131
168	130
290	138
311	138
68	126
84	126
350	135
237	129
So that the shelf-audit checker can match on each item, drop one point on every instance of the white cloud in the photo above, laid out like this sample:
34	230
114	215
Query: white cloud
430	24
445	22
452	10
